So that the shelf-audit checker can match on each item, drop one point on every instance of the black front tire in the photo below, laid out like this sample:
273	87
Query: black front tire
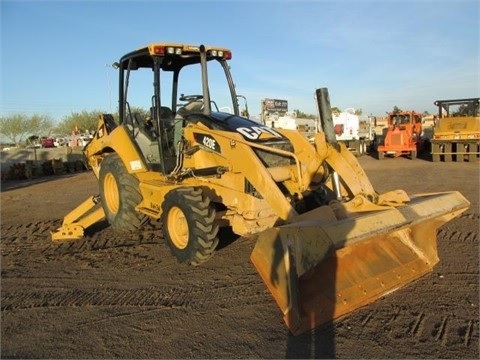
189	226
359	147
120	194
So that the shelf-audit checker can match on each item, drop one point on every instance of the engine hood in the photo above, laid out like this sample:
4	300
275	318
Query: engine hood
249	129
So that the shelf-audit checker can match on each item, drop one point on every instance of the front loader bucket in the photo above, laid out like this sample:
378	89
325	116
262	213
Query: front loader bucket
319	268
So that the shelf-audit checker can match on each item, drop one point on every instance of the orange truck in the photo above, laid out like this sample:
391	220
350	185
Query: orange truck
403	135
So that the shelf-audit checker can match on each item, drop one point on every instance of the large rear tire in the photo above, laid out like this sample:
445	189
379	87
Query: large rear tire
358	148
120	194
188	224
361	147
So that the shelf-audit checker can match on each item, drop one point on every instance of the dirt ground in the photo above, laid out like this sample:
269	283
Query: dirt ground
112	296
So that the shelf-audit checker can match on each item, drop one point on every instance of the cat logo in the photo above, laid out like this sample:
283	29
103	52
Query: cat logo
254	132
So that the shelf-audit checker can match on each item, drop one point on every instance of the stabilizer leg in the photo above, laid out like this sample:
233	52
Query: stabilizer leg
80	218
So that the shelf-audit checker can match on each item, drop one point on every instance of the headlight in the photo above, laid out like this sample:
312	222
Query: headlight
174	51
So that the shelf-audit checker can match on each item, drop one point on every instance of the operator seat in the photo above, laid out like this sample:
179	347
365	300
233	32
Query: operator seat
166	114
166	117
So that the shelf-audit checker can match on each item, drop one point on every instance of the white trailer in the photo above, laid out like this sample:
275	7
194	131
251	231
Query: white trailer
289	121
357	133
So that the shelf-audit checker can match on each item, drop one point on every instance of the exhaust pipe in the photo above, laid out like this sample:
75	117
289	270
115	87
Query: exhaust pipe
325	113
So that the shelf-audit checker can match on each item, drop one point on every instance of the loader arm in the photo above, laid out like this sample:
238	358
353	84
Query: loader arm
332	260
343	162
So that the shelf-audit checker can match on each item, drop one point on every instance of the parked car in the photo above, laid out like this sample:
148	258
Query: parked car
48	142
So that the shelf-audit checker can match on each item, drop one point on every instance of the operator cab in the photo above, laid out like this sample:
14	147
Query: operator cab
152	84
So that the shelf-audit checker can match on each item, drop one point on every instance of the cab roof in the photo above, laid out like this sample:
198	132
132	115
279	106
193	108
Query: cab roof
175	55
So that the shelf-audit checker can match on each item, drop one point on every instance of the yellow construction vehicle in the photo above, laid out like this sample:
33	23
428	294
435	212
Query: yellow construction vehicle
456	133
327	242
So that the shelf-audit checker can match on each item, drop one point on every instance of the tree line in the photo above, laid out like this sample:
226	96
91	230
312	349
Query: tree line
18	128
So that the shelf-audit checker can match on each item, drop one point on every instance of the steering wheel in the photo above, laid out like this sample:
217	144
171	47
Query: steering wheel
190	98
194	104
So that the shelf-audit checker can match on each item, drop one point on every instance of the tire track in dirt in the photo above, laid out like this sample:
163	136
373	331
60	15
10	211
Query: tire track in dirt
36	236
428	321
420	327
423	326
17	240
421	323
470	215
106	238
169	297
454	235
456	242
27	247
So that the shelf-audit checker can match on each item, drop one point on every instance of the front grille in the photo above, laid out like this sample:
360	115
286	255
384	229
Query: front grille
397	139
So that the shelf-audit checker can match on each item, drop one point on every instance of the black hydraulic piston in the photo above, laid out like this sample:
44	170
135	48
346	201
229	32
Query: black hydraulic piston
325	113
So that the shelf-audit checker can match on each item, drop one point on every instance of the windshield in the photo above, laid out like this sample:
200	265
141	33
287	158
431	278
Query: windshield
456	108
180	90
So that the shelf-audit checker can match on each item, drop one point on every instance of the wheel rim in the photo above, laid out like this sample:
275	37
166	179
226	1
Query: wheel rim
110	189
177	227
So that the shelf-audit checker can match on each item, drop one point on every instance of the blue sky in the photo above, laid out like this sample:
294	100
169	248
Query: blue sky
371	55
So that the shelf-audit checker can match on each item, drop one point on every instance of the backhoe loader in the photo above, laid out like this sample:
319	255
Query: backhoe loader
326	242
